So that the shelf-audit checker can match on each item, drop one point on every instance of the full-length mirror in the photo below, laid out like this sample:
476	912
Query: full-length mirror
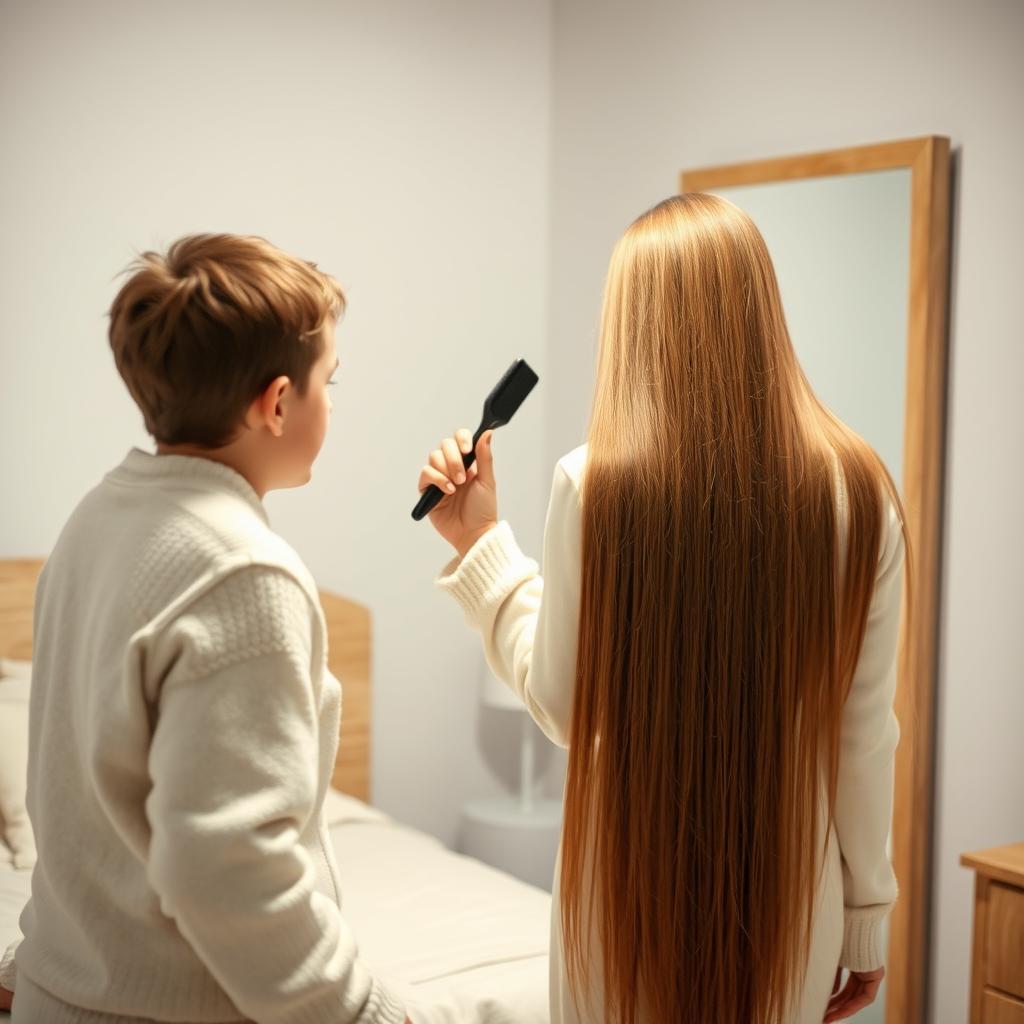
859	239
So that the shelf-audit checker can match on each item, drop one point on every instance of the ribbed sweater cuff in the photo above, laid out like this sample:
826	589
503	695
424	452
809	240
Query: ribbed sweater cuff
862	938
493	567
381	1008
8	972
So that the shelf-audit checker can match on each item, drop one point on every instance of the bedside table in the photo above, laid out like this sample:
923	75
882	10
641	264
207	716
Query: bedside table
997	971
521	842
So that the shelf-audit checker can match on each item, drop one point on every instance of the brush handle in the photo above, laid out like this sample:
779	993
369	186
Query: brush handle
432	495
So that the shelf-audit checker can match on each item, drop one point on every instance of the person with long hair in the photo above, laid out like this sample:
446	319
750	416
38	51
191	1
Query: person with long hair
714	639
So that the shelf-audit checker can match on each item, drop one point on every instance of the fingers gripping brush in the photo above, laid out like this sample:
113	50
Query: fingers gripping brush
499	408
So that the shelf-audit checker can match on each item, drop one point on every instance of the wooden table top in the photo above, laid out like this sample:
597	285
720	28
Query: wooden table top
1003	863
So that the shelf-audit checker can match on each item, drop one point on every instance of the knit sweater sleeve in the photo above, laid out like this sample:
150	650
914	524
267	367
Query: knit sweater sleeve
233	762
8	971
528	623
870	732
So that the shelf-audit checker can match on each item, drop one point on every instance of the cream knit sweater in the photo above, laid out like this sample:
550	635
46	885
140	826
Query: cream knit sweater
183	733
529	626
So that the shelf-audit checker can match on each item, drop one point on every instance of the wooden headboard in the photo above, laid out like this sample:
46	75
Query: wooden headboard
348	634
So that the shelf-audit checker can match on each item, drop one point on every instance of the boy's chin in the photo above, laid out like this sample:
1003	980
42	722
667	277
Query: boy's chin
299	478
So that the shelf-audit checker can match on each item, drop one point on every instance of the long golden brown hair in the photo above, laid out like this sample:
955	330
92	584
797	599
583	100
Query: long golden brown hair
731	533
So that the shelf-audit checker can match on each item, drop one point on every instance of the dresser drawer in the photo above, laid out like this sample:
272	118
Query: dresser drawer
1005	940
999	1009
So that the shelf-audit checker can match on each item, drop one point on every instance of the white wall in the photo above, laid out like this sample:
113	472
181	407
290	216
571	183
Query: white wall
404	147
642	91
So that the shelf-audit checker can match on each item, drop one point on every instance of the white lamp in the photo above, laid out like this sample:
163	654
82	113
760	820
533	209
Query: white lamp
517	834
495	694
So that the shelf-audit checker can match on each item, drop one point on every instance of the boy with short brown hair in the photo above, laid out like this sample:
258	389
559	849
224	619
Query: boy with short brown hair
184	722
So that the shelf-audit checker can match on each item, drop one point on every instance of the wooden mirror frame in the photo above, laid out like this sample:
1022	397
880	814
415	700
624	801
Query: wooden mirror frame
923	449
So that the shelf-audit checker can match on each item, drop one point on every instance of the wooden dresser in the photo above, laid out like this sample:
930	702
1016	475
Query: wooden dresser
997	974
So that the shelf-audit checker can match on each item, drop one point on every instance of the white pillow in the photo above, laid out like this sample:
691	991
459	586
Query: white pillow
15	827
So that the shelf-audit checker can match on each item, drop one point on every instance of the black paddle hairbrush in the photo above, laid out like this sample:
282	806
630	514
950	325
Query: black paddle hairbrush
500	407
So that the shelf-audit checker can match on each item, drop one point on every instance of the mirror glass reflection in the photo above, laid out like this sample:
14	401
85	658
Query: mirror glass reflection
841	248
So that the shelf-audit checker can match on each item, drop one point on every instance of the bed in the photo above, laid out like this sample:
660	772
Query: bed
462	942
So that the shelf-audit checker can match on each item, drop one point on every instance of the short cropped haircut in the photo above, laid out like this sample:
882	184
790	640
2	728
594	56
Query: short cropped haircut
200	332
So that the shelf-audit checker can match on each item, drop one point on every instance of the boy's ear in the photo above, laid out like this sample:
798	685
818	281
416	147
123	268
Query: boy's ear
267	408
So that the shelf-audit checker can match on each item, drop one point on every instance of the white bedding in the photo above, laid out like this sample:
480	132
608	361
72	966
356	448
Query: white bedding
464	943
